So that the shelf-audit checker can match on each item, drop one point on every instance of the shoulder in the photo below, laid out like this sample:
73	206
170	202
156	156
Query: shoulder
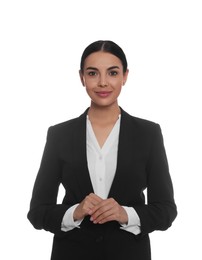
68	127
144	130
139	123
71	123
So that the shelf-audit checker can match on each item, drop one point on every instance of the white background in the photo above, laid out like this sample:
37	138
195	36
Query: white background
40	48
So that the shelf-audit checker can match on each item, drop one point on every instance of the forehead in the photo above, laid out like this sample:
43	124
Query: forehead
102	59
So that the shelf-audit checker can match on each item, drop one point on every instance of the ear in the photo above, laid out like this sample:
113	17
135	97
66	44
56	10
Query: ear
82	78
125	77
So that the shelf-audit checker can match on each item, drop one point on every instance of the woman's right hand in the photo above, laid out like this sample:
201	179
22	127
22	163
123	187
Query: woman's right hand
86	206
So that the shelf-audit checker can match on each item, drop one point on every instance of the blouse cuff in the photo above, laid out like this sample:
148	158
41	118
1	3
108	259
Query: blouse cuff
68	222
133	224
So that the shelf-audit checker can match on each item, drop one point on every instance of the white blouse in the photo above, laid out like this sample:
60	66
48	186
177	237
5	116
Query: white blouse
102	164
102	161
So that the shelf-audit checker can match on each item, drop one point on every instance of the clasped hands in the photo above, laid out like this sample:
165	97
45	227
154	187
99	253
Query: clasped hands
100	210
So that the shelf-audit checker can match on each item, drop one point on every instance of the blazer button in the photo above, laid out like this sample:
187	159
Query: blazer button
99	239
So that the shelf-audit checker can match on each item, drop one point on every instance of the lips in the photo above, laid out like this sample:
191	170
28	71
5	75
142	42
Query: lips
103	93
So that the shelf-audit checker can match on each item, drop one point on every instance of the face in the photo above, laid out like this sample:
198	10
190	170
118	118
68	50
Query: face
103	78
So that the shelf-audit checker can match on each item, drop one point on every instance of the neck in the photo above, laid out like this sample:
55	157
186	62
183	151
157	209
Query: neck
104	114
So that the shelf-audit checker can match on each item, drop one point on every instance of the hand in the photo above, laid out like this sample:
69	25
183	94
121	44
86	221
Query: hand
85	207
108	210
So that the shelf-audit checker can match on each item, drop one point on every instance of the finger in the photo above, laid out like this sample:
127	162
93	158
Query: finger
101	209
102	206
116	213
104	217
91	201
95	199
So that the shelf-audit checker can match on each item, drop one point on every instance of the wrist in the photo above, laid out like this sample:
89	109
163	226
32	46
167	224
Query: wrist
124	217
77	214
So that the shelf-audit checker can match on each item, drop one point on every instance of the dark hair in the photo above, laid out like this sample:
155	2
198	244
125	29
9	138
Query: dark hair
105	46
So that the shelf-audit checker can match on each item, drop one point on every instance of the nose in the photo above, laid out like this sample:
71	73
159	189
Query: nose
103	82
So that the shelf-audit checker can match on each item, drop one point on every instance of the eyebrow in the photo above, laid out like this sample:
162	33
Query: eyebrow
110	68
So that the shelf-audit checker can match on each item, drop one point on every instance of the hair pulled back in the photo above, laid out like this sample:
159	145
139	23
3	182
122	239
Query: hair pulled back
105	46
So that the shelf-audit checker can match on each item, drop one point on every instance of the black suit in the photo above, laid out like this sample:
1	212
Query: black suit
141	164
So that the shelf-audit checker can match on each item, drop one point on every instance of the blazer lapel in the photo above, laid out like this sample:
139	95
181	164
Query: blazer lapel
80	157
125	147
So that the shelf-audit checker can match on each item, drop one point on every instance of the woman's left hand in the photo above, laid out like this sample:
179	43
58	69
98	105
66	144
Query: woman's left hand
108	210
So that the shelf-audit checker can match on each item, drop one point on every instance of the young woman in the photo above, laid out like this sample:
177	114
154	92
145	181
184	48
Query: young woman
105	159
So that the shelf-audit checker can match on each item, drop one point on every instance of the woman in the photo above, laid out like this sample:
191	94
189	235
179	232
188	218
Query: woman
105	159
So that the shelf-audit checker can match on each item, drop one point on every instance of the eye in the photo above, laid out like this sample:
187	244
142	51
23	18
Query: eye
92	73
113	73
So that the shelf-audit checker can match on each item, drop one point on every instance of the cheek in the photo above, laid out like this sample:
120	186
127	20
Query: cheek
90	83
117	85
119	88
116	82
89	91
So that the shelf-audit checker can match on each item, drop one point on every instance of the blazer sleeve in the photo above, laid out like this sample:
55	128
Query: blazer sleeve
44	213
160	210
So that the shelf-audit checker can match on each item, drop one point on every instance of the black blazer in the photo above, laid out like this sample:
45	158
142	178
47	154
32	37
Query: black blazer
141	164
